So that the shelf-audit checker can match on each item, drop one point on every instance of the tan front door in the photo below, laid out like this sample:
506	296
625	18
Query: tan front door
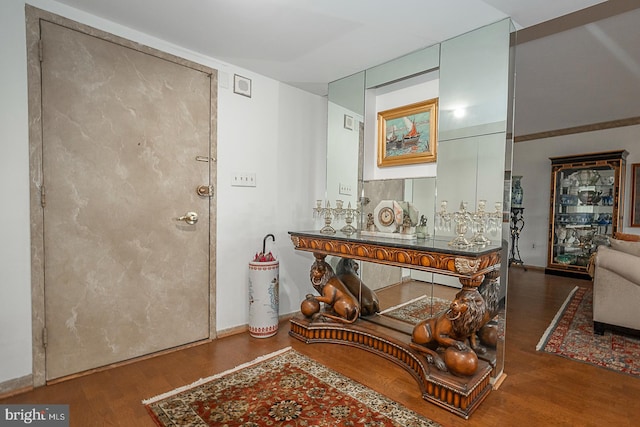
122	129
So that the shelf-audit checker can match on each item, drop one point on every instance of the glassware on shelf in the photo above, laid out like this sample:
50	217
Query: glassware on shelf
561	235
587	177
589	197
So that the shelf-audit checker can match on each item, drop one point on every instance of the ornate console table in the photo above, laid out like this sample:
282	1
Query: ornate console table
391	338
436	256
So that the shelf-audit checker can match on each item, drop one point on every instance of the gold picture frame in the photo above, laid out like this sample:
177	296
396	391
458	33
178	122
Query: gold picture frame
408	135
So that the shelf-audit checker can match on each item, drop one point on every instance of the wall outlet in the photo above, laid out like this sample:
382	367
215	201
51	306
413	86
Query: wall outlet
243	179
345	189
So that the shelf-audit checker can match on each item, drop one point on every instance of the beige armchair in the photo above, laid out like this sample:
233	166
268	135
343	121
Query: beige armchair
616	287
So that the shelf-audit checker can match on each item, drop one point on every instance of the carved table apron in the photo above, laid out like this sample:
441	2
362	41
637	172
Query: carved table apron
390	338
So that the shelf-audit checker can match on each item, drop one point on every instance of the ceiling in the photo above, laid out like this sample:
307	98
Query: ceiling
308	44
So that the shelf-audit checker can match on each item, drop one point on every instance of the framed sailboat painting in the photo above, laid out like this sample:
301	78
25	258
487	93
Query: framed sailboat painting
408	134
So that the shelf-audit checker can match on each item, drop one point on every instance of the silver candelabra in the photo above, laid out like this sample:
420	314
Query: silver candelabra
339	212
483	221
480	222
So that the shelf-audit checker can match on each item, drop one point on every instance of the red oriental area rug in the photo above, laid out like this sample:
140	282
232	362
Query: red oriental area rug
417	309
571	335
284	388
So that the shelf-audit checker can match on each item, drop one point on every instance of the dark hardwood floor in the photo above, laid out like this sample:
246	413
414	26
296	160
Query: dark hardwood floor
539	390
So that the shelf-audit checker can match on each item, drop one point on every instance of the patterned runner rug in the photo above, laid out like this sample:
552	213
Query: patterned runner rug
417	309
570	335
284	388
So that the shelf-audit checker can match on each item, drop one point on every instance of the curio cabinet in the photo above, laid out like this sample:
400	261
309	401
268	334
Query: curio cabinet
586	208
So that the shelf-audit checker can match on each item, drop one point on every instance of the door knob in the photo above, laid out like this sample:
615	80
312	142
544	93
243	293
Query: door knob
190	218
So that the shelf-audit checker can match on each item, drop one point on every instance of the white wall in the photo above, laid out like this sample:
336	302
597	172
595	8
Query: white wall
279	134
531	160
15	269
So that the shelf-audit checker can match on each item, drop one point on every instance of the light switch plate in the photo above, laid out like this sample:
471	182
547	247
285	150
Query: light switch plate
345	189
243	179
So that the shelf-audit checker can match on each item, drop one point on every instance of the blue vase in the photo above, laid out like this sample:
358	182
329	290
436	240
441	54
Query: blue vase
516	192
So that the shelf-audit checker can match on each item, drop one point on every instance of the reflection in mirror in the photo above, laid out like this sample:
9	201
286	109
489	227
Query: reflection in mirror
471	75
472	152
398	286
344	133
474	82
405	92
433	298
423	195
473	117
476	174
378	276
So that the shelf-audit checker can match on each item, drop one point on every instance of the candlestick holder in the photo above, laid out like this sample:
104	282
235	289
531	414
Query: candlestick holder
443	218
326	213
338	212
483	221
349	214
462	220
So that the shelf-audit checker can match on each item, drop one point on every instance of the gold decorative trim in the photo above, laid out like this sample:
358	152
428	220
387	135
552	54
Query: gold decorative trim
466	266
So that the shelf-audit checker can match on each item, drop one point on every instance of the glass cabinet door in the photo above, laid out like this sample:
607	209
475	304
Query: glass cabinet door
585	198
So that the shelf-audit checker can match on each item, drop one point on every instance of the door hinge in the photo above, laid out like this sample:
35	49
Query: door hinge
44	337
43	197
40	50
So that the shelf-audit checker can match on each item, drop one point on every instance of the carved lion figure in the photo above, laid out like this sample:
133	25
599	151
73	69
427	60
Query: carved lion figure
347	272
490	291
465	316
334	293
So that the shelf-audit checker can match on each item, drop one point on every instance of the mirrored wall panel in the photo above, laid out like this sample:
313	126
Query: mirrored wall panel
470	76
344	133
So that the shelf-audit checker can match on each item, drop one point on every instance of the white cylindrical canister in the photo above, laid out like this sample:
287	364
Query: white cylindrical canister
263	298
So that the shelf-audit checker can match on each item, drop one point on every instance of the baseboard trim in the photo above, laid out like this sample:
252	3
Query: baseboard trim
25	384
245	328
16	386
498	382
527	267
